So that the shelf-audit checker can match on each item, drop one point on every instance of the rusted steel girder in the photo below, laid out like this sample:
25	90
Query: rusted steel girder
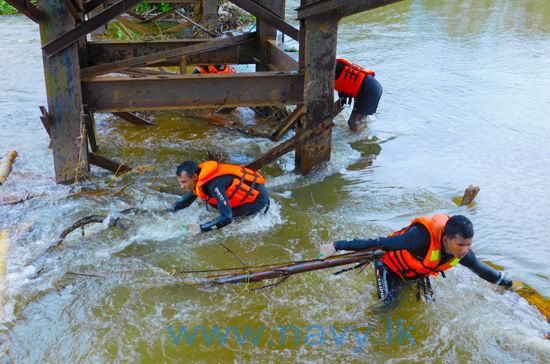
81	30
281	60
343	8
263	13
193	91
150	59
26	8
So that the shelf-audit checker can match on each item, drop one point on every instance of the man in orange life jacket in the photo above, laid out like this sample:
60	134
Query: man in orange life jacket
425	248
233	190
353	81
214	68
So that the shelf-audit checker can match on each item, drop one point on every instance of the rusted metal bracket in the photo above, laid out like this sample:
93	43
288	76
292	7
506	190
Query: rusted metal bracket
133	118
46	119
89	123
26	8
65	40
342	7
108	164
263	13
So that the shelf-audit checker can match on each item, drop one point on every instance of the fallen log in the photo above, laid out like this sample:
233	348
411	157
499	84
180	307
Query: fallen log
6	165
285	270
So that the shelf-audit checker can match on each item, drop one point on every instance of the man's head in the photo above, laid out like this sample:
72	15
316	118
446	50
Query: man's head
458	236
187	174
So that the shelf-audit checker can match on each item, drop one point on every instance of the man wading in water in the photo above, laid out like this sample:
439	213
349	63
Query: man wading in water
233	190
427	247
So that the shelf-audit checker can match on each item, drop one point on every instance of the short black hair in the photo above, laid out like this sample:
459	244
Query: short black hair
459	225
189	167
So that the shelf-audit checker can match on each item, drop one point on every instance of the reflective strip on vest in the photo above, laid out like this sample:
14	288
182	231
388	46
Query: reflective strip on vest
435	255
454	262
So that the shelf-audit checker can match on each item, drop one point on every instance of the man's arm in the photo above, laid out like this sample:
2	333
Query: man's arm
416	240
484	271
217	190
411	240
184	201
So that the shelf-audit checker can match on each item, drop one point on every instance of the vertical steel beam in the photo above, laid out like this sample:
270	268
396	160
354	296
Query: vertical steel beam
267	32
210	14
321	33
62	76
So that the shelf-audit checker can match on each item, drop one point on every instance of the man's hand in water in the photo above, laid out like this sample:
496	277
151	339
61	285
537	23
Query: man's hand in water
193	229
326	250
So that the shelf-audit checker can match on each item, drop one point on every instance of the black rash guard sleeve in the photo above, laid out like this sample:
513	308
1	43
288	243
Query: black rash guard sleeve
216	189
416	240
484	271
184	201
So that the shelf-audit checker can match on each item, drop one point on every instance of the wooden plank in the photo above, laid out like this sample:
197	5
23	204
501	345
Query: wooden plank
165	55
26	8
280	59
342	8
178	92
260	11
70	36
133	118
64	97
321	32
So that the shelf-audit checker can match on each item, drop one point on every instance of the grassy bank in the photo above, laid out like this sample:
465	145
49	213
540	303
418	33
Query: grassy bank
7	9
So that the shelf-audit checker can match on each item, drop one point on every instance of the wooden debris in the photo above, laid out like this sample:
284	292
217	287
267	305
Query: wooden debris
283	271
469	195
4	241
133	118
6	166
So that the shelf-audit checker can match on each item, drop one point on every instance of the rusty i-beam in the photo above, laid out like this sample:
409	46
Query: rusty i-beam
78	81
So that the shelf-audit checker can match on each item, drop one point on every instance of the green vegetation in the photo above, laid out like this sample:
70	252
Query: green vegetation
7	9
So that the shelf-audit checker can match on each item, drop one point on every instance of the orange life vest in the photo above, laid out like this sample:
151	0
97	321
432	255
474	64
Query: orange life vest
212	69
406	265
241	191
350	79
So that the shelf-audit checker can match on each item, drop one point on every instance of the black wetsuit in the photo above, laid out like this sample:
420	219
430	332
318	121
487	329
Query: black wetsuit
417	241
217	188
369	94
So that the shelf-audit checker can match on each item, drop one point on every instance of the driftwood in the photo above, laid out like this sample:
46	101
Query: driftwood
289	122
6	165
285	270
92	219
469	195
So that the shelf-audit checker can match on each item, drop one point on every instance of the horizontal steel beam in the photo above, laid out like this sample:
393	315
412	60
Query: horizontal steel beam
342	7
65	40
213	44
192	91
242	53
